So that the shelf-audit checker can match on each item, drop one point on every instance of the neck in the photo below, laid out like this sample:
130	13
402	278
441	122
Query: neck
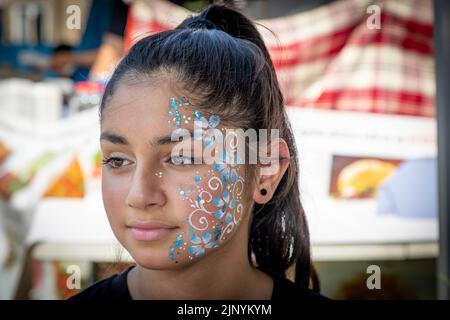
224	274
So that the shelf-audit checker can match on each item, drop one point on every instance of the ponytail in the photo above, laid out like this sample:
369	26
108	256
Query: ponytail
279	234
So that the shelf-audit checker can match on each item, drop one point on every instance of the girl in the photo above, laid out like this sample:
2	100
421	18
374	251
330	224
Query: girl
201	229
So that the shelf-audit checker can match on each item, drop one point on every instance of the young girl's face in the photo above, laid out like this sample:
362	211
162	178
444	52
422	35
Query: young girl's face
164	214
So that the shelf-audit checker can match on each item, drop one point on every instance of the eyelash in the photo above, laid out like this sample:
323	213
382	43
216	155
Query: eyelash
107	161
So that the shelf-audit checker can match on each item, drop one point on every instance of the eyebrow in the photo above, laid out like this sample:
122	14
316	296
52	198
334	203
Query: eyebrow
116	139
113	138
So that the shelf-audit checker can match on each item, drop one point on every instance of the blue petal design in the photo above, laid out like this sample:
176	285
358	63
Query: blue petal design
207	141
197	115
210	245
232	203
226	196
193	249
228	218
218	202
219	167
195	239
234	176
223	156
214	121
206	237
201	122
224	175
219	214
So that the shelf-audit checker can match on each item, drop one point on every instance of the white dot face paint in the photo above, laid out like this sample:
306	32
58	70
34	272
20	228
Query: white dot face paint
201	204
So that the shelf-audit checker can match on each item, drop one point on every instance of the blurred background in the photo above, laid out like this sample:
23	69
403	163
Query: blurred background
359	82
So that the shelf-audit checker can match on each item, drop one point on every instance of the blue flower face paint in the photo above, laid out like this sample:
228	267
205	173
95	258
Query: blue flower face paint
214	194
173	111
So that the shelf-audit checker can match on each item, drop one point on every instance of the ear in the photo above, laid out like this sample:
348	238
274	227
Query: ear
269	175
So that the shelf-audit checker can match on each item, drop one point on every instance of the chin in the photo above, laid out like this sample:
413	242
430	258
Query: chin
158	263
154	258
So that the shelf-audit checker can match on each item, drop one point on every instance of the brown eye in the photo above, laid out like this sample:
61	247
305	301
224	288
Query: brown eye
114	162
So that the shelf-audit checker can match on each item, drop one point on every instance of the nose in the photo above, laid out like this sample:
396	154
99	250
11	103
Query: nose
145	190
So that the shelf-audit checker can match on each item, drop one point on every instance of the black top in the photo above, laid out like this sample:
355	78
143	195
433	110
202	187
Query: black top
116	288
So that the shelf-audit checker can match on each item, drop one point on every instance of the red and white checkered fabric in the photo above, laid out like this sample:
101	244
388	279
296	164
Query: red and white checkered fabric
329	58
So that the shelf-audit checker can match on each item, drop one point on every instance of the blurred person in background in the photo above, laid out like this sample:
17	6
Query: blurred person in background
112	47
105	26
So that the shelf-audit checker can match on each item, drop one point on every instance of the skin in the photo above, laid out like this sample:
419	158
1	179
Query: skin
144	184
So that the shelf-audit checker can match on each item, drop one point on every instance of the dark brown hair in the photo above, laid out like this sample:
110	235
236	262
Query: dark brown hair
219	57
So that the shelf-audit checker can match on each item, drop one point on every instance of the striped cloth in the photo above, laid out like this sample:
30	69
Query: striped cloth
330	57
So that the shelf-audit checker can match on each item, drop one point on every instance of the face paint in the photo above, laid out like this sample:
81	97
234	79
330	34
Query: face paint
173	111
185	191
214	196
201	123
177	247
213	218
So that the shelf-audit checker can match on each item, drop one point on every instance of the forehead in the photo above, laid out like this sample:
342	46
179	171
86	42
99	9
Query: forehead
141	107
136	101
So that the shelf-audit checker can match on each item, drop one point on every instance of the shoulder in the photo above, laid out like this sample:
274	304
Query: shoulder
112	288
286	289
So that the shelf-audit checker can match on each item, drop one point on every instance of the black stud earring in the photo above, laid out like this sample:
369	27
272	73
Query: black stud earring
263	192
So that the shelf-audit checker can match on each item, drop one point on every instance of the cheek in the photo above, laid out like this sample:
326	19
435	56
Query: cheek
213	208
113	193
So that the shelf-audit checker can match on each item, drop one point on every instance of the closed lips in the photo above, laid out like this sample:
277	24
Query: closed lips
149	230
